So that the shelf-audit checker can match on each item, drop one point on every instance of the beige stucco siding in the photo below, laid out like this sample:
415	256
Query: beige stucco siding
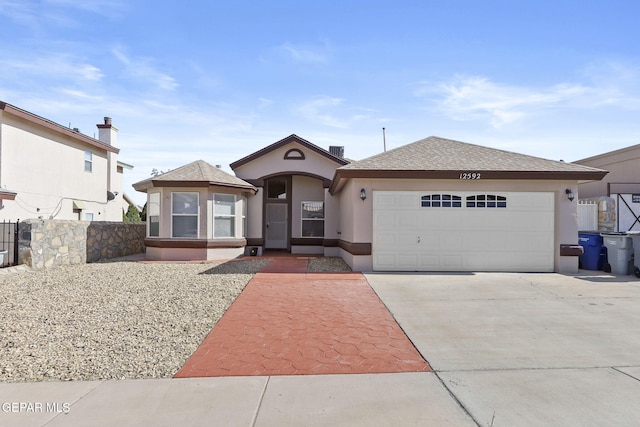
274	163
623	168
305	189
46	169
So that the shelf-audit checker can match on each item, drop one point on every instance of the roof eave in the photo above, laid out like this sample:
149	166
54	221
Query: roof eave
341	175
33	118
192	184
283	142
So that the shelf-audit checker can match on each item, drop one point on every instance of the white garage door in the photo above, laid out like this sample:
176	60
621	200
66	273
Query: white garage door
463	231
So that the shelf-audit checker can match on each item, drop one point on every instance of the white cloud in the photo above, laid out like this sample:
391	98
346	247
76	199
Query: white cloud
142	69
18	11
264	102
54	65
333	112
472	98
319	110
110	8
466	98
304	54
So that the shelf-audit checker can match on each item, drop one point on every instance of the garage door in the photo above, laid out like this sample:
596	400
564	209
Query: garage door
463	231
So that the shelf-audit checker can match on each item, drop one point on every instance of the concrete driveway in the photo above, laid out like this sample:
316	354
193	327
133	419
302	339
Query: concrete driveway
526	349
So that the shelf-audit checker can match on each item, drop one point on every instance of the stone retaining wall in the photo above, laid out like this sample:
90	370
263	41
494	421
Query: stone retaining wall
106	240
51	243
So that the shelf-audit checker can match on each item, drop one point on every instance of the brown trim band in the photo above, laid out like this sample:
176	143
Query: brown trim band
260	182
344	174
200	184
355	248
195	243
253	241
330	243
571	250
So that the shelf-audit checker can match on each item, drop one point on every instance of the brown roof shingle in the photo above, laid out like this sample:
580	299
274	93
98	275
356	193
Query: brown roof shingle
440	158
198	173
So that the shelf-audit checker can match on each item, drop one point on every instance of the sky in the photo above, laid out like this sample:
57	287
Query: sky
217	80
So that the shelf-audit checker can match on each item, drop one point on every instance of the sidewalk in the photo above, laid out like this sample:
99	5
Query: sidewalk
405	399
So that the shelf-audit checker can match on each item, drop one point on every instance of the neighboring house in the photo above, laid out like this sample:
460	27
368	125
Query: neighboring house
51	171
433	205
622	185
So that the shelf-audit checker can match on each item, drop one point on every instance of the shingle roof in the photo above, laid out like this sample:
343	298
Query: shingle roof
196	173
434	153
440	158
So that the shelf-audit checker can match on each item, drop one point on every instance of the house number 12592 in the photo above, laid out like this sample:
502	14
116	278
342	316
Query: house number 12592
470	175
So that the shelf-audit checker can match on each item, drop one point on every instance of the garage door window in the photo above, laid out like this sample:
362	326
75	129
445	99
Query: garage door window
486	201
441	201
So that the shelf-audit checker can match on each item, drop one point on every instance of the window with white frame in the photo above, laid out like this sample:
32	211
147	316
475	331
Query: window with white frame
88	161
243	200
224	215
312	219
153	215
184	214
88	216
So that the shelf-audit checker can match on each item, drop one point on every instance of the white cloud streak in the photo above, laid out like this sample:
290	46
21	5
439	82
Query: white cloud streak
55	65
142	70
316	110
479	98
304	54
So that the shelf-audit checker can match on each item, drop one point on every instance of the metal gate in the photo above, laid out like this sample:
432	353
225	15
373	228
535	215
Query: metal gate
8	243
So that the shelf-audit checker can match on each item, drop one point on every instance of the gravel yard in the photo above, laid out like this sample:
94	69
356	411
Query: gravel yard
116	320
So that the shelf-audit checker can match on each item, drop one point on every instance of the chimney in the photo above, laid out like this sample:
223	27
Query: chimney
337	151
108	133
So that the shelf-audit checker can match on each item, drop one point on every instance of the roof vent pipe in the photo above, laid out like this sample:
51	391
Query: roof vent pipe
384	139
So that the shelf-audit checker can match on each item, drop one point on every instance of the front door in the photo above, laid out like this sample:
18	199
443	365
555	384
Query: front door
276	226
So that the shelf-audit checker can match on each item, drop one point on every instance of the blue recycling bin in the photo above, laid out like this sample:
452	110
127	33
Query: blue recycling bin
593	257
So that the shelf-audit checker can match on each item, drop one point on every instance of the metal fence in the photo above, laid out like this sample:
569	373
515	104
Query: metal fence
8	243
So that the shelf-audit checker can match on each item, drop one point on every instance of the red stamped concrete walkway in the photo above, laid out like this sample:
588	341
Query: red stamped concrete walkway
288	321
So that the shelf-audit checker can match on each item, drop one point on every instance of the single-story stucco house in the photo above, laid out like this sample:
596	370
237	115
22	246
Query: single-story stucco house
432	205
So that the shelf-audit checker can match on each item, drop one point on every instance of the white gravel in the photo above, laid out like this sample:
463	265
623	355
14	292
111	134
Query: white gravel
112	320
117	320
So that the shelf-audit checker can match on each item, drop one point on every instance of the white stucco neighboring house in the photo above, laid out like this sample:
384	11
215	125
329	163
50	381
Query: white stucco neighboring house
432	205
51	171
